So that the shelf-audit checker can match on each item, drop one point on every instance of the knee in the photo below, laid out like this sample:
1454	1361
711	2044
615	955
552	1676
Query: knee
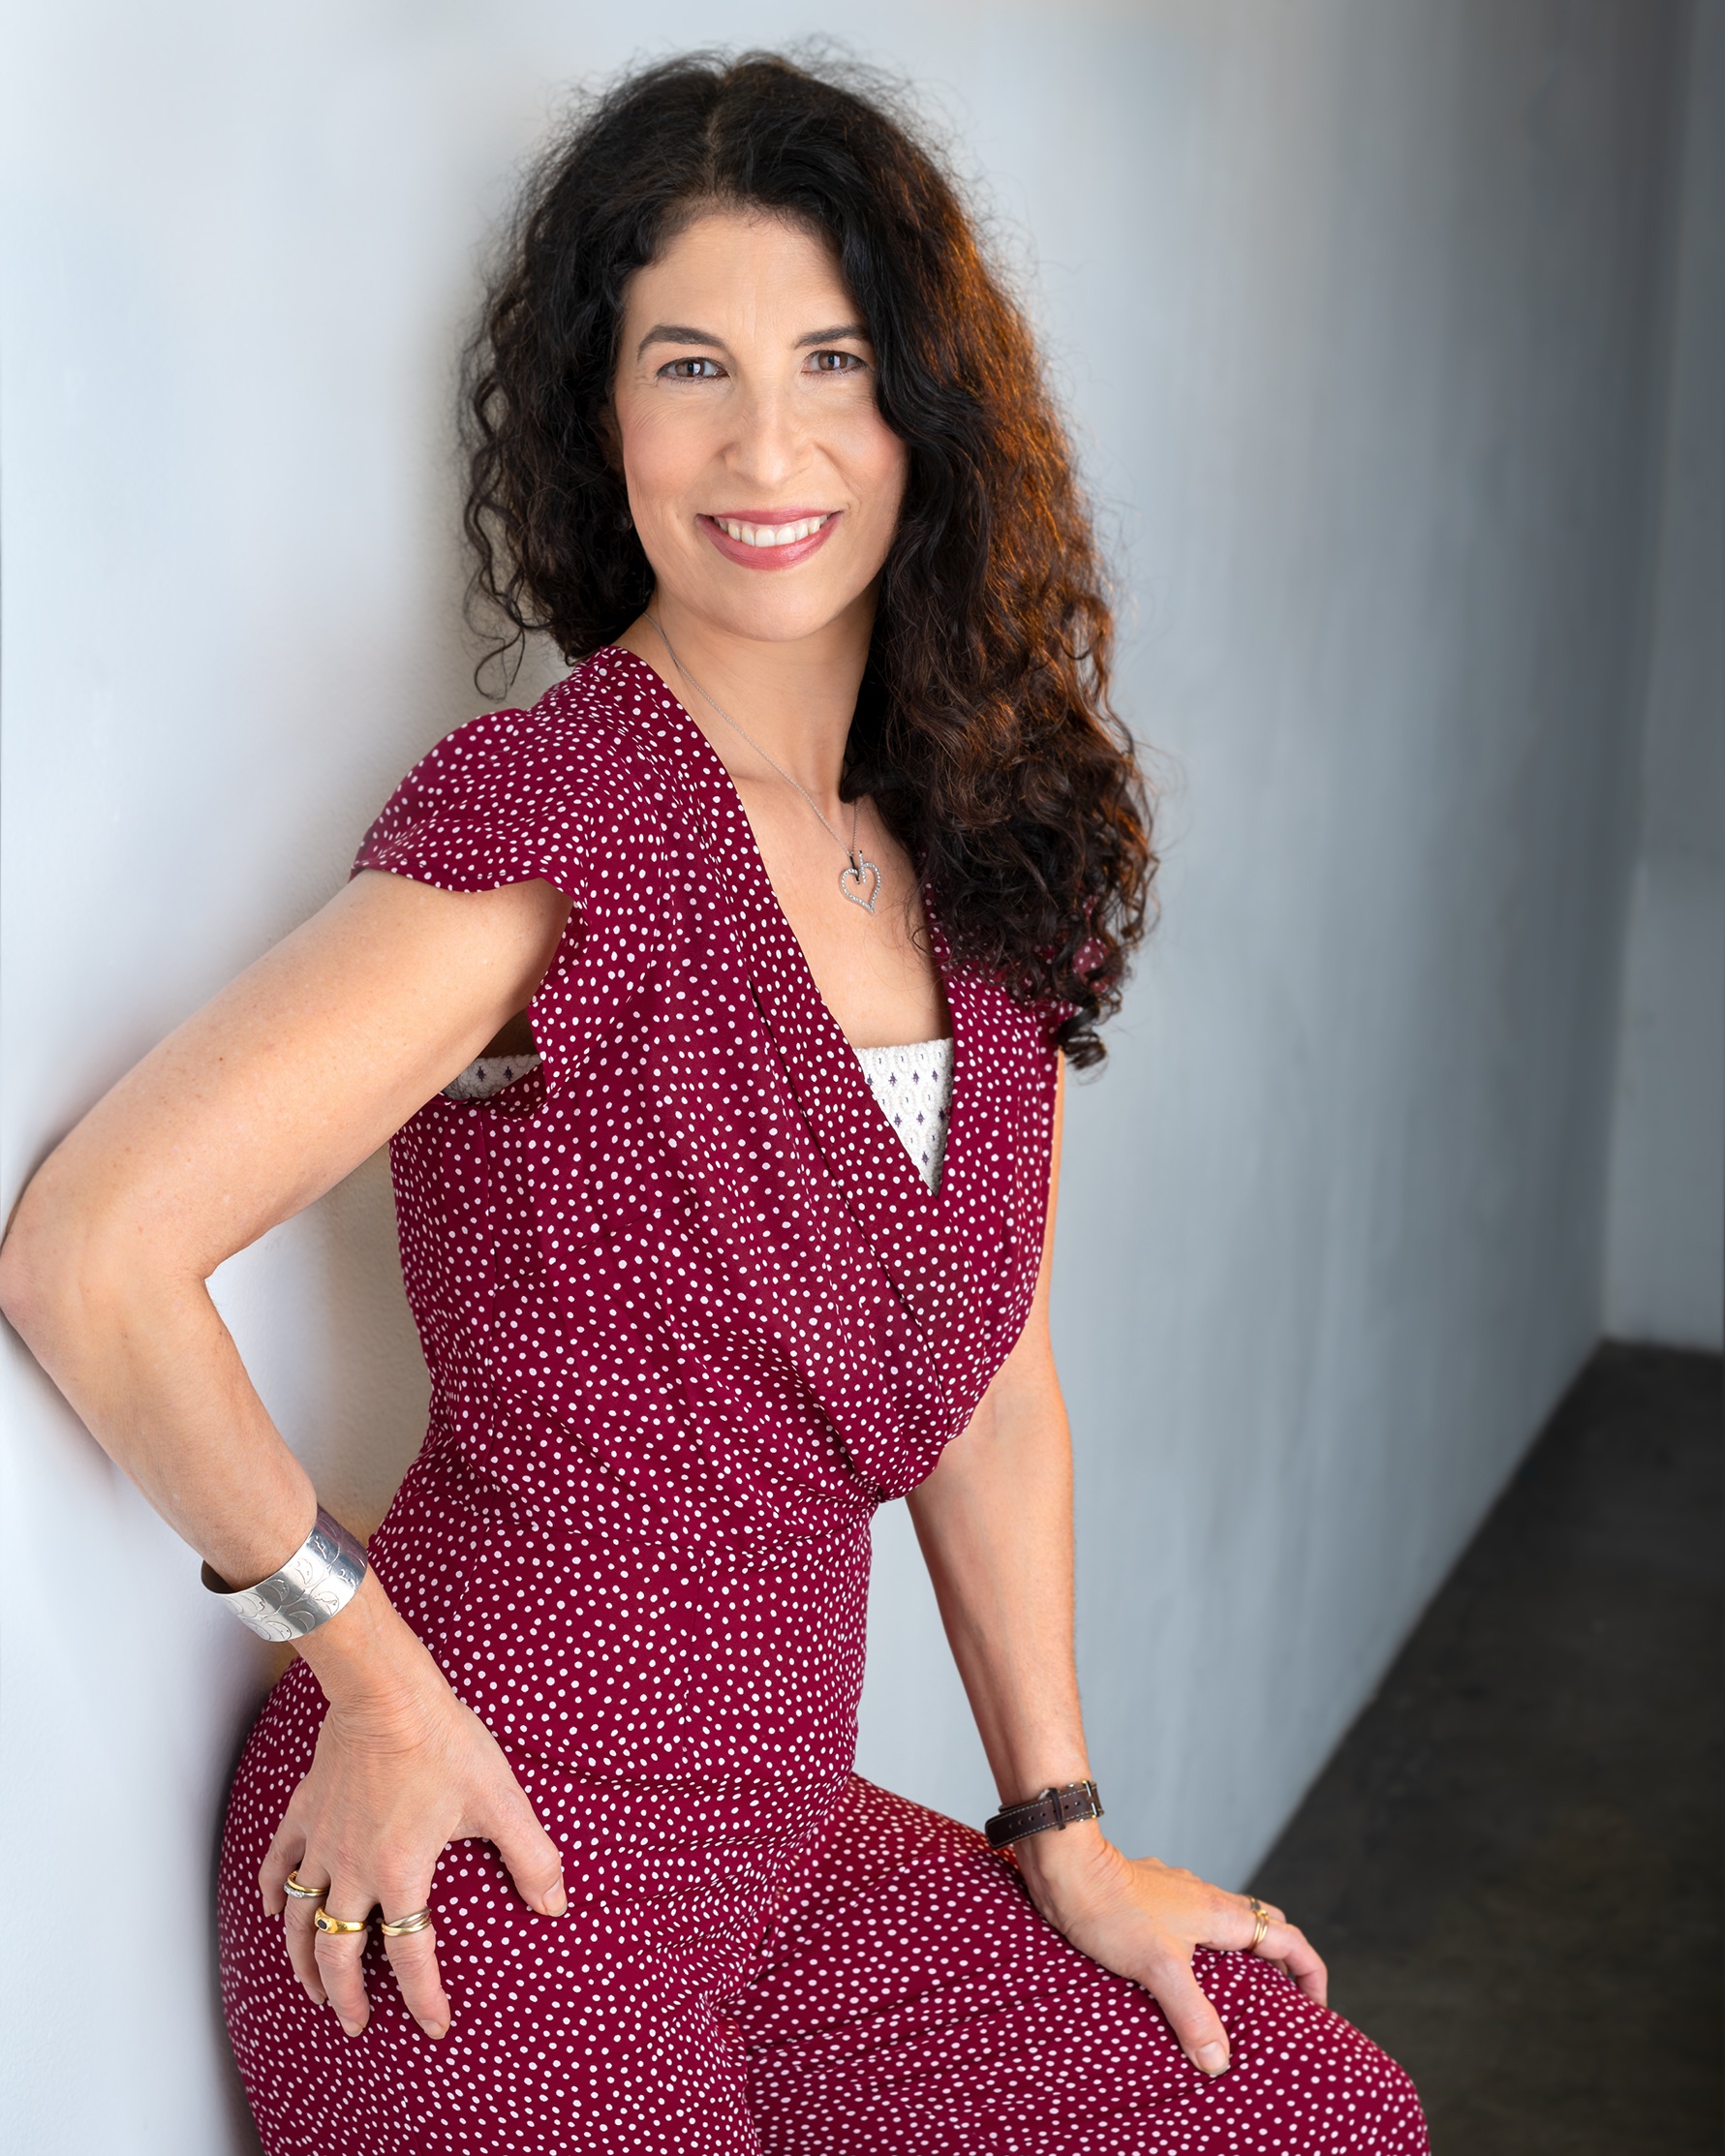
1345	2090
1374	2103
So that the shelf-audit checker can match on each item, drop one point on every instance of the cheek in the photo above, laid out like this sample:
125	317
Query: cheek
663	454
880	464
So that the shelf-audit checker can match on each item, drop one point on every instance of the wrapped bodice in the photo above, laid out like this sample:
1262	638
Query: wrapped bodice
687	1248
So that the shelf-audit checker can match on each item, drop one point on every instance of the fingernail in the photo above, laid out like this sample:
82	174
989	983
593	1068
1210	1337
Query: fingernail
435	2029
353	2028
1213	2057
557	1903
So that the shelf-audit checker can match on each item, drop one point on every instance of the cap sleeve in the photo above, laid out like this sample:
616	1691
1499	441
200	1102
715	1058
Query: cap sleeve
516	796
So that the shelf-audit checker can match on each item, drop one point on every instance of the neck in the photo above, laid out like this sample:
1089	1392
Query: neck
795	697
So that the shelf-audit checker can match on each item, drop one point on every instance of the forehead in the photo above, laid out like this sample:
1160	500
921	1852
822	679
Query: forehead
727	264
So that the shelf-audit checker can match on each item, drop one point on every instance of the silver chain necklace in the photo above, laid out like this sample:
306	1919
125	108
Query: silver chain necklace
853	877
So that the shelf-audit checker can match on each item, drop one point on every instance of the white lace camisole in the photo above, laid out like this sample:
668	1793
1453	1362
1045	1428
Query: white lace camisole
911	1082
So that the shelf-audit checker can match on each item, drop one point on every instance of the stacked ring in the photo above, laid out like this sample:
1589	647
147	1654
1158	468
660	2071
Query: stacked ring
405	1926
342	1926
1262	1914
297	1888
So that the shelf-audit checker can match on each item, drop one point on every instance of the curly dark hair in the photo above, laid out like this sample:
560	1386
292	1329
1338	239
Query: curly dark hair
983	728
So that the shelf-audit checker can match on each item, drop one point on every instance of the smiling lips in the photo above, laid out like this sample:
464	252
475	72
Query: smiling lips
777	538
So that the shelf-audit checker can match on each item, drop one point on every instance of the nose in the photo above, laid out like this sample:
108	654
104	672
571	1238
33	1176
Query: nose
770	447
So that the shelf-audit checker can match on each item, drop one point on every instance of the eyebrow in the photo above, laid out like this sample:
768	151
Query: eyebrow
831	336
676	333
681	333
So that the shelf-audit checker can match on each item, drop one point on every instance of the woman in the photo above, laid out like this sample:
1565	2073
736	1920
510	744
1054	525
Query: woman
548	1839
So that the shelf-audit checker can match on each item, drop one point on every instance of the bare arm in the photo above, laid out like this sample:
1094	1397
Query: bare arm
994	1524
232	1126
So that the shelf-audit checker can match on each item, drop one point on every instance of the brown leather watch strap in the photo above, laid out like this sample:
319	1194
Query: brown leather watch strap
1061	1807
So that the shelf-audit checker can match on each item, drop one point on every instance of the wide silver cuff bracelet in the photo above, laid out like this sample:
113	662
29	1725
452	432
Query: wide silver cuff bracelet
321	1578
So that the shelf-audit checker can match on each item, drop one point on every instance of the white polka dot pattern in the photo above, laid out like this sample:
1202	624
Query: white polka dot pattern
911	1082
691	1312
910	1998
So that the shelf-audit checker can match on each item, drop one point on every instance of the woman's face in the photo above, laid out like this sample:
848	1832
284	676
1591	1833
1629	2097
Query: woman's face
763	483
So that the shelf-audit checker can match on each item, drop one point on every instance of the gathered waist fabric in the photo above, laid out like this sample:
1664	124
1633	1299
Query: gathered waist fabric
597	1638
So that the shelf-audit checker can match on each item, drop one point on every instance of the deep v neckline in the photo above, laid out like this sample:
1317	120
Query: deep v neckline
872	1167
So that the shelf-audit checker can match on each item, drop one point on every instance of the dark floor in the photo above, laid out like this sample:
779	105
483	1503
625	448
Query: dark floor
1511	1866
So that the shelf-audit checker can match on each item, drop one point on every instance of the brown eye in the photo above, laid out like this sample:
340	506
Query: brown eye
837	362
679	370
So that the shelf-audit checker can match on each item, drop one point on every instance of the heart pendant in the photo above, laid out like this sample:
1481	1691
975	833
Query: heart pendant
854	881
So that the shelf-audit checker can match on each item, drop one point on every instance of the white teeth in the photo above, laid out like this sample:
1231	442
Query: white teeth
771	535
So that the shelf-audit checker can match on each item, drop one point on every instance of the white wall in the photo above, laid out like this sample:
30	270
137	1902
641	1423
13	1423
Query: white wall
1378	391
1352	302
1666	1251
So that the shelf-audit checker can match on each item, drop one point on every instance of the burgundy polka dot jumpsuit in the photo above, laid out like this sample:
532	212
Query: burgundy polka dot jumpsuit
692	1313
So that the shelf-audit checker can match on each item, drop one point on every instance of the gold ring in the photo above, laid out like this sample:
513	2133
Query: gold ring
344	1926
1262	1914
297	1888
405	1926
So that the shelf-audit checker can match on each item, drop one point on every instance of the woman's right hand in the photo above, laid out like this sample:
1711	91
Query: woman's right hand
399	1772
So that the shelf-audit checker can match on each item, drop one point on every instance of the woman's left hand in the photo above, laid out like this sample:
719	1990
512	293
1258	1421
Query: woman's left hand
1143	1919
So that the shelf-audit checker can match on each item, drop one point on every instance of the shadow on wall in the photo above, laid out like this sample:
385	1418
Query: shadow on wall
319	1314
375	1371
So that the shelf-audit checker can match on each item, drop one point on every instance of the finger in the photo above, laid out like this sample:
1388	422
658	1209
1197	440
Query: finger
282	1855
532	1857
414	1959
1288	1945
1240	1922
412	1955
338	1954
1280	1942
286	1854
301	1938
1196	2025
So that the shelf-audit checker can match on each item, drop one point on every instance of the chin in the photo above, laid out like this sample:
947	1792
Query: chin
779	614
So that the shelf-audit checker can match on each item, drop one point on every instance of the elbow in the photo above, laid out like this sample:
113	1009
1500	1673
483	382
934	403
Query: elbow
14	1285
22	1271
33	1282
57	1269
